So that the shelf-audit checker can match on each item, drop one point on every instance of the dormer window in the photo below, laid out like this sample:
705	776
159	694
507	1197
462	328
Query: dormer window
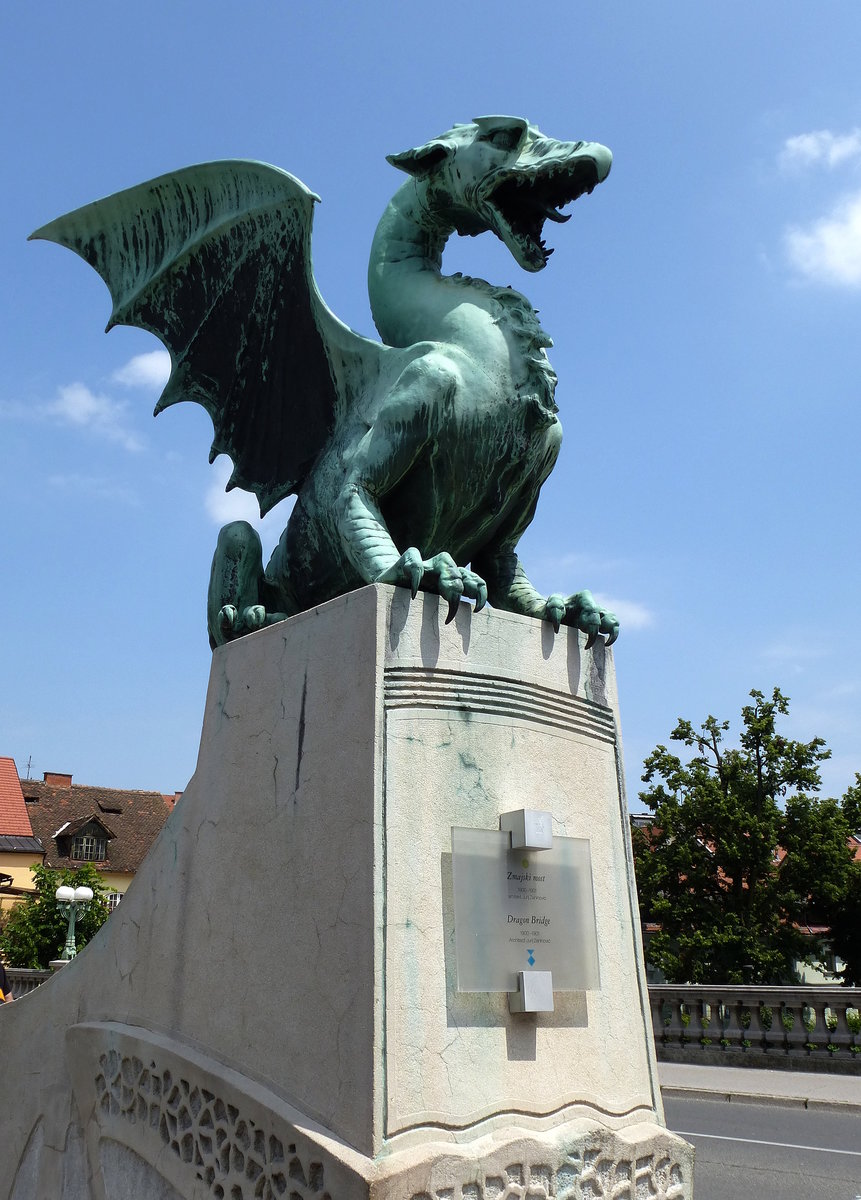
84	840
89	847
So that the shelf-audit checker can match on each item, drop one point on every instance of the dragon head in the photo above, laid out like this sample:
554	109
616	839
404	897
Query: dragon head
502	174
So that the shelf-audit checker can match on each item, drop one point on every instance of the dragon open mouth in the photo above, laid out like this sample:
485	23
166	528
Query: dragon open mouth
522	201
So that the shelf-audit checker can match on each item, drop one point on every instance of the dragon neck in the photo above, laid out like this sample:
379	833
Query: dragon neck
411	300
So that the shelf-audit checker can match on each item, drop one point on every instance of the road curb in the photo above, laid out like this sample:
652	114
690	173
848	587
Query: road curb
675	1092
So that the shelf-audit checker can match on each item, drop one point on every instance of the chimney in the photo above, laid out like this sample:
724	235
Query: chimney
56	779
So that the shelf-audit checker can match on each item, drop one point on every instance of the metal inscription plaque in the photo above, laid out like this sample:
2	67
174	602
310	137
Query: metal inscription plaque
522	910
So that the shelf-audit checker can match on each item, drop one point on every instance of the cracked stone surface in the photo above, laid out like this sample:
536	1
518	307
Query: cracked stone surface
292	925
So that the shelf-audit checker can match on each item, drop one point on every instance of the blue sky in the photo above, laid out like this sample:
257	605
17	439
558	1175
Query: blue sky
704	303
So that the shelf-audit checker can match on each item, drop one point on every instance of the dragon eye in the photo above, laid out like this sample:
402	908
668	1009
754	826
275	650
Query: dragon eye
504	139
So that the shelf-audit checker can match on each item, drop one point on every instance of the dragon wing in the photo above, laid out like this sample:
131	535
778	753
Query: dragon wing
215	261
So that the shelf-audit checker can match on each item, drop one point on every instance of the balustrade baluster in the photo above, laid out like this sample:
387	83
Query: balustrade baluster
706	1022
763	1019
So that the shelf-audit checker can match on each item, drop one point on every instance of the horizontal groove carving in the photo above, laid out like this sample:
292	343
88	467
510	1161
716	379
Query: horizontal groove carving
433	688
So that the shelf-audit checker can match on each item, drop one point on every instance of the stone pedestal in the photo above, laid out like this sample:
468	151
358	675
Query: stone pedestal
273	1010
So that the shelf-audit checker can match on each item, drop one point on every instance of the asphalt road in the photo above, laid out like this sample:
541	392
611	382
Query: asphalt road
758	1151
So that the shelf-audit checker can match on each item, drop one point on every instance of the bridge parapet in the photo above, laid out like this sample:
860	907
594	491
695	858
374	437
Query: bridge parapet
803	1024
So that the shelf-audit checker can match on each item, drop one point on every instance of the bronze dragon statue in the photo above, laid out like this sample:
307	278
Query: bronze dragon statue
417	462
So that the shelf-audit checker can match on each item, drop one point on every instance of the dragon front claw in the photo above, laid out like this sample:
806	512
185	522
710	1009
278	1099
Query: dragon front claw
439	574
555	608
233	623
227	620
582	611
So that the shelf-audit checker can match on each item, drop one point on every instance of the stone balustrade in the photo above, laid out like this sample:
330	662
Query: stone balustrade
23	980
703	1022
694	1022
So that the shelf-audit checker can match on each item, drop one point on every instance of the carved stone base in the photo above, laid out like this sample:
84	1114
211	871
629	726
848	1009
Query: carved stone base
273	1009
163	1121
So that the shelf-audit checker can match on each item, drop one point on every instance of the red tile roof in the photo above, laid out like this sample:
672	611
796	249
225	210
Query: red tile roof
14	819
131	819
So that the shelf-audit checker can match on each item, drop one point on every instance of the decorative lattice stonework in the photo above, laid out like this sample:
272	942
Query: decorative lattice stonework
591	1176
231	1154
189	1124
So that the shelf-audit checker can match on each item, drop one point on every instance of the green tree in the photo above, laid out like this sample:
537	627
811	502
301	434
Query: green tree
739	854
814	874
846	929
852	805
845	916
34	931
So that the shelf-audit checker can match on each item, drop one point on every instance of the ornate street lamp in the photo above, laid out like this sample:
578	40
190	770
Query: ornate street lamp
71	901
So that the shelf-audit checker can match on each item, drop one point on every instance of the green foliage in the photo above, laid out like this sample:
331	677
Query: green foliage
852	805
787	1019
846	917
766	1016
845	922
710	872
853	1020
815	873
35	930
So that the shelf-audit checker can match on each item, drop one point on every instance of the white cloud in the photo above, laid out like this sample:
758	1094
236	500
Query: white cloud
631	614
829	250
582	564
222	506
77	405
821	147
98	488
145	370
796	646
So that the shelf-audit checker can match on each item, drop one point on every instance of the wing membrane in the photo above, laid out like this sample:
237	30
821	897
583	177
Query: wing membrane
215	261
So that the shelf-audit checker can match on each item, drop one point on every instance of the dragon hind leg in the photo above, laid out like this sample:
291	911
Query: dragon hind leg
239	599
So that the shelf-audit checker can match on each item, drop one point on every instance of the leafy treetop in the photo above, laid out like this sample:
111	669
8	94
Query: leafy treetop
741	855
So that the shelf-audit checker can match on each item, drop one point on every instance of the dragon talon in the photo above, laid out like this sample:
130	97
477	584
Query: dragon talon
254	617
227	618
591	639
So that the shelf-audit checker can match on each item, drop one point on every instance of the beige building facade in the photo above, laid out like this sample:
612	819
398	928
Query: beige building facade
65	825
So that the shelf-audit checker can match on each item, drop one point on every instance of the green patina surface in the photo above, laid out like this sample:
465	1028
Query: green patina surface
417	461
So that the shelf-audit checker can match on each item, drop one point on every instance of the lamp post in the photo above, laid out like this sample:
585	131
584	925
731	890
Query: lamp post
71	901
